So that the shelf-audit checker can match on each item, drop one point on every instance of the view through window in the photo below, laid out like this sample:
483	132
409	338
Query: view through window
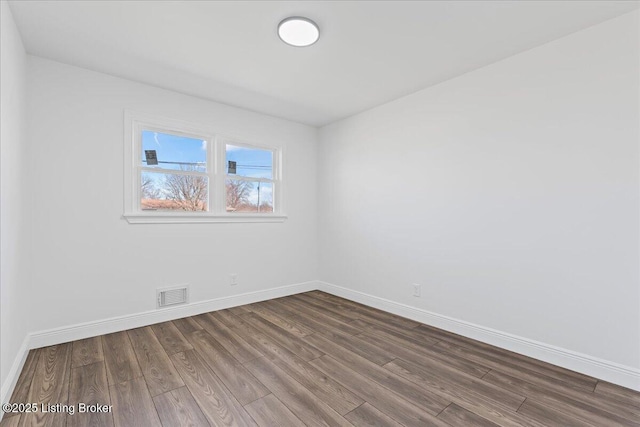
249	179
173	173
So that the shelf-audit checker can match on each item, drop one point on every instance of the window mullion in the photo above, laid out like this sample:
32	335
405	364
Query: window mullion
220	173
212	167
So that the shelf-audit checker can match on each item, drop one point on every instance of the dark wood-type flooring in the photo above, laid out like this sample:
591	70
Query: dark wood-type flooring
310	359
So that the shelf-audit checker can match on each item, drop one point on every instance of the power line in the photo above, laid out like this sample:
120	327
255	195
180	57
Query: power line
182	163
205	163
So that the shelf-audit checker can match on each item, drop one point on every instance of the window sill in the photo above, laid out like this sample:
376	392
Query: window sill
180	218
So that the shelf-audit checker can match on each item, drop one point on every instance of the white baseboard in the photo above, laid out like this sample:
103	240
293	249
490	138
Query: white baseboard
625	376
14	373
121	323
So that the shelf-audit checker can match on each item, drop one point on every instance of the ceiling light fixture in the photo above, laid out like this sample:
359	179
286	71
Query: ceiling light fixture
298	31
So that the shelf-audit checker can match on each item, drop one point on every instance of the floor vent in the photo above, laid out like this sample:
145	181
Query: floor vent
168	297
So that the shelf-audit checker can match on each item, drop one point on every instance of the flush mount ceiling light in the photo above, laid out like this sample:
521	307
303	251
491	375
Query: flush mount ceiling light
298	31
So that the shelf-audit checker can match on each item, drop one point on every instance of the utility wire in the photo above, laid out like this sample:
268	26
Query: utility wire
205	163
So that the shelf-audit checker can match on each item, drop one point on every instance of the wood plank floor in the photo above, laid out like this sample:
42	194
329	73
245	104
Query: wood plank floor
311	359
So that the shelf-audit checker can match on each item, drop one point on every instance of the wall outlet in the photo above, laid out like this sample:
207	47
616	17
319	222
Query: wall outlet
417	290
233	279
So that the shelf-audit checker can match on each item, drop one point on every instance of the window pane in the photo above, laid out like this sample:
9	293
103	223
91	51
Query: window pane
173	152
249	162
173	192
249	196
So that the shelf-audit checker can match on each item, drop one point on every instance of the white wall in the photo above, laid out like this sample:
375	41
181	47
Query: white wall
89	264
510	193
13	233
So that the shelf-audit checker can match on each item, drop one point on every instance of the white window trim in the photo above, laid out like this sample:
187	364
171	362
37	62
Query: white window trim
216	156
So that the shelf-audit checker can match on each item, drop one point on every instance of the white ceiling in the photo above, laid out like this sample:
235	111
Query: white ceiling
369	52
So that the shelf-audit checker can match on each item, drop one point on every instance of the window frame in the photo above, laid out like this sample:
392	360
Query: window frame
222	151
135	123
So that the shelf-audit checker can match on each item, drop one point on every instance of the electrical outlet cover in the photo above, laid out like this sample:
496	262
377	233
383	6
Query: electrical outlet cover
417	290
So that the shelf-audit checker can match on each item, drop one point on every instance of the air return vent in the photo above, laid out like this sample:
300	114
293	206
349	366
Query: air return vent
168	297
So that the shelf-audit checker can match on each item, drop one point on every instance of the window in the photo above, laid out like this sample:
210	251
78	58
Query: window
249	181
177	172
173	172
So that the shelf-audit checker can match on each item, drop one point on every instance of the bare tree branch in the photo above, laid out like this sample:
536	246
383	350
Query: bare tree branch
189	192
238	192
148	188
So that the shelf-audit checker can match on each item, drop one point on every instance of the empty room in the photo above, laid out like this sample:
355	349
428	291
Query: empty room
319	213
